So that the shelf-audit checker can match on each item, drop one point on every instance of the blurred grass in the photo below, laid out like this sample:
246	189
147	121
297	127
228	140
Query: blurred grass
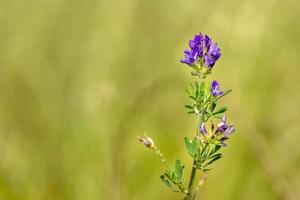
80	79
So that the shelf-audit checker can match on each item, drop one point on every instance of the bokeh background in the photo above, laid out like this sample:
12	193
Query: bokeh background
79	80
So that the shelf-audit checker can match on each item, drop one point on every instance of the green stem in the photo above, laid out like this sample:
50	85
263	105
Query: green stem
191	194
162	158
191	183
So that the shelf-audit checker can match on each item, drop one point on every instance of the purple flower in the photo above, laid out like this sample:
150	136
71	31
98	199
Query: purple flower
203	129
190	57
215	89
229	130
202	51
212	54
207	41
224	128
226	133
196	46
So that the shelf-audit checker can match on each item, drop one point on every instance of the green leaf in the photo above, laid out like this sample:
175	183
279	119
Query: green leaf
205	151
192	146
193	98
213	160
220	110
192	88
202	88
178	170
206	169
197	90
189	107
218	116
191	112
207	89
213	106
167	181
188	92
216	155
225	93
215	149
197	86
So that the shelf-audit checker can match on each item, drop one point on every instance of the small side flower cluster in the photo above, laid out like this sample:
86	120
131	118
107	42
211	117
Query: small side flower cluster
147	141
219	135
212	128
204	105
202	55
223	130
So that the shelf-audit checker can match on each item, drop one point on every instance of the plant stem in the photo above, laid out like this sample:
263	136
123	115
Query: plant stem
191	183
191	193
162	158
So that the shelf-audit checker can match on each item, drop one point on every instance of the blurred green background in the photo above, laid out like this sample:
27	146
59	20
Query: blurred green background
79	80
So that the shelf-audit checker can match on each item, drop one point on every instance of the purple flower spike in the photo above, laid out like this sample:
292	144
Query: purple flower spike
202	51
215	89
203	129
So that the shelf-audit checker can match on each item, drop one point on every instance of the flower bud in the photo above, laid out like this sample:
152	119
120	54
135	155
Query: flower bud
147	141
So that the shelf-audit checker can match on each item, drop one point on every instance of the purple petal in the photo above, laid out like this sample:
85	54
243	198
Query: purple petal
203	129
222	126
196	50
224	119
215	90
207	41
212	55
230	129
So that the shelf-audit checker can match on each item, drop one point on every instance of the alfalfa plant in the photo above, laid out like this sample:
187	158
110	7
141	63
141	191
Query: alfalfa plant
212	132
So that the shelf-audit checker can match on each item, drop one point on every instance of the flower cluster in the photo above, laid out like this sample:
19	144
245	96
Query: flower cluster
220	135
202	52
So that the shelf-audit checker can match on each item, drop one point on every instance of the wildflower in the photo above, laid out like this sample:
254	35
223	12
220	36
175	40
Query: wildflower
202	51
196	46
225	129
212	52
215	89
190	57
147	141
222	126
